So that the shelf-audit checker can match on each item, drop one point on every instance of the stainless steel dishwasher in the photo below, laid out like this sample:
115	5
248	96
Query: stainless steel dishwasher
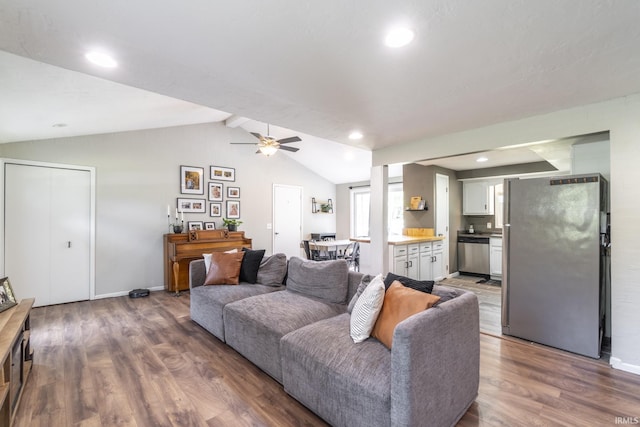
473	254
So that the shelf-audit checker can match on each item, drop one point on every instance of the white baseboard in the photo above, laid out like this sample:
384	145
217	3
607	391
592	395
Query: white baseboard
123	293
619	364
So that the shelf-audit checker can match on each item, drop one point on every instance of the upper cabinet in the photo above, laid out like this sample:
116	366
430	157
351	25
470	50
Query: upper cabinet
477	198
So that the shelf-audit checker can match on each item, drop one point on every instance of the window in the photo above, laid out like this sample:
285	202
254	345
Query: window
361	204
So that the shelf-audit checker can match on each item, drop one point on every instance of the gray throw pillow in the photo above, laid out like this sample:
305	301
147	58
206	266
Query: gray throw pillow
325	280
273	270
366	279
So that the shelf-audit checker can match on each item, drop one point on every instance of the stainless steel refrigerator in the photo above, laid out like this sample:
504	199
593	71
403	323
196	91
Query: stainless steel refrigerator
554	268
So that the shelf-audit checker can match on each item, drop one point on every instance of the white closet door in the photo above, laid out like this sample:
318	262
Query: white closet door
45	209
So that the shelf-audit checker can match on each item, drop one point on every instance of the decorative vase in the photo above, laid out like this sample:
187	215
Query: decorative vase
232	227
177	229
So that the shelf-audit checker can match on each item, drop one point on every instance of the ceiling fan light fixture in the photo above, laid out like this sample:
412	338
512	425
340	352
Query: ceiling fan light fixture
268	149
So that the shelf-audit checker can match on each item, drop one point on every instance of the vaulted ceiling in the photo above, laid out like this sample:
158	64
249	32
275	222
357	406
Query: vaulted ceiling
313	68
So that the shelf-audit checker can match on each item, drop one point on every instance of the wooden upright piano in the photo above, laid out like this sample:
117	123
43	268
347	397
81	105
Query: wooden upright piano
181	249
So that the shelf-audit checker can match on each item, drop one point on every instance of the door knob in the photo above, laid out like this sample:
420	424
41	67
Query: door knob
69	244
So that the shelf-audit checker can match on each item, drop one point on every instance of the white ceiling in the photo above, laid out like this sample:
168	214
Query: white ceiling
317	68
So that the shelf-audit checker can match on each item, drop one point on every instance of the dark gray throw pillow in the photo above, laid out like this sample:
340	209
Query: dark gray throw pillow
324	280
366	279
250	265
419	285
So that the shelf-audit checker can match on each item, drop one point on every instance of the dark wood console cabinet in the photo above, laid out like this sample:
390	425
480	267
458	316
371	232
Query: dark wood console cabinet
181	249
16	355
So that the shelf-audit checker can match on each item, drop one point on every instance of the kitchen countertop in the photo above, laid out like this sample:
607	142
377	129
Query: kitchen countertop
402	240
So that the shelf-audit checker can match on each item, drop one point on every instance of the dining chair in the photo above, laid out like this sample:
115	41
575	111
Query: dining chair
352	256
319	255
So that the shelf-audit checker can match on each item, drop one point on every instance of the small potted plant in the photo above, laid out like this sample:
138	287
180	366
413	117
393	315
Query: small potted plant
231	224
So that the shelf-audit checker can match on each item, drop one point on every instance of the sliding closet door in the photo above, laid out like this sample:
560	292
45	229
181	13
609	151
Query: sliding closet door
48	232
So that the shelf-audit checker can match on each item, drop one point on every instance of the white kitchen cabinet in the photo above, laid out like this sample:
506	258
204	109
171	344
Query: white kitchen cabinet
405	260
437	266
426	261
477	198
495	258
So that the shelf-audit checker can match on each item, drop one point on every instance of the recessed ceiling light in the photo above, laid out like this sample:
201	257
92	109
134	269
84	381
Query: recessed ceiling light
481	159
355	135
101	59
398	37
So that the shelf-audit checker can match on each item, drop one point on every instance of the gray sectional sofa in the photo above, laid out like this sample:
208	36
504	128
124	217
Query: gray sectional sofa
300	335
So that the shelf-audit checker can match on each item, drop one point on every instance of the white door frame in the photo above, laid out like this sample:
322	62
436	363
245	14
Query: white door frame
273	215
92	230
443	209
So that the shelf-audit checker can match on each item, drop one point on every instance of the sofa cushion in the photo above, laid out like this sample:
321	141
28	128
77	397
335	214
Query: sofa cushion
325	280
366	310
364	282
224	269
347	384
400	303
207	303
254	326
418	285
250	265
273	270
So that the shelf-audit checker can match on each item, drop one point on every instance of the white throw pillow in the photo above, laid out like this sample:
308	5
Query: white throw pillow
366	311
207	259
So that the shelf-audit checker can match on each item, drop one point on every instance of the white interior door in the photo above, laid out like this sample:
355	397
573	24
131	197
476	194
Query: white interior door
287	220
442	216
47	232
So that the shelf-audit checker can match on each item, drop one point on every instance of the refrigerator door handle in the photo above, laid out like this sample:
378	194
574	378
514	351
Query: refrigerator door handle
506	234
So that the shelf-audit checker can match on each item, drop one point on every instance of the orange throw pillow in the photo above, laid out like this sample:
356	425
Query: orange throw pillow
399	303
225	268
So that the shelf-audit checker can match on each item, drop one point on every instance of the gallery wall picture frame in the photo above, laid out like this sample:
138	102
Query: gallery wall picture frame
222	173
195	225
216	191
7	297
191	205
233	192
191	180
233	209
215	209
209	225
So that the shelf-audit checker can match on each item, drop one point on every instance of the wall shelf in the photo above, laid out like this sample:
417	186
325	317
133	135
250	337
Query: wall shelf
321	206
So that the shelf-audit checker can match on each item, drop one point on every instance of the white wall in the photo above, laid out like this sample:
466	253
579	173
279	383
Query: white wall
138	175
620	117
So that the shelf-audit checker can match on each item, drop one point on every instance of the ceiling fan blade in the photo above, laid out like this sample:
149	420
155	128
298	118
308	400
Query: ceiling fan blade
244	143
288	140
257	135
285	148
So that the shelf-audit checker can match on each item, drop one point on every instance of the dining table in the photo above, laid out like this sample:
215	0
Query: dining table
335	248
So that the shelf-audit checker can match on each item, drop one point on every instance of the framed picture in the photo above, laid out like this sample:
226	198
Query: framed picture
233	209
195	225
215	209
222	173
191	205
215	191
7	299
209	225
233	192
191	180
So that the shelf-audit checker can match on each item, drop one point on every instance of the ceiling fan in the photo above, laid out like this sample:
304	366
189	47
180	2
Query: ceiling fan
268	145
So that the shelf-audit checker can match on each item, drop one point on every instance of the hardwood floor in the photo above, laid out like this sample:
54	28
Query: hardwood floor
143	362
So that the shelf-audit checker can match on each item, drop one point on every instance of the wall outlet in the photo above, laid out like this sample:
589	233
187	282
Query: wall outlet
488	225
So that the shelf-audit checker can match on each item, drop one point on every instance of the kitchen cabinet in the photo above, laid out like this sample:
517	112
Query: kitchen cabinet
423	261
495	258
438	261
477	198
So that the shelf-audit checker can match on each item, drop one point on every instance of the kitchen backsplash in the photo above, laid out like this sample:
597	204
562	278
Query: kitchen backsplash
480	224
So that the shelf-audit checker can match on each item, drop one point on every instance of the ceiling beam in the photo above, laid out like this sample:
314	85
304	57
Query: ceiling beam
235	121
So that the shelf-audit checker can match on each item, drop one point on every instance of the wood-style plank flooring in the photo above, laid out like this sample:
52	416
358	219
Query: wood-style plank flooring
143	362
